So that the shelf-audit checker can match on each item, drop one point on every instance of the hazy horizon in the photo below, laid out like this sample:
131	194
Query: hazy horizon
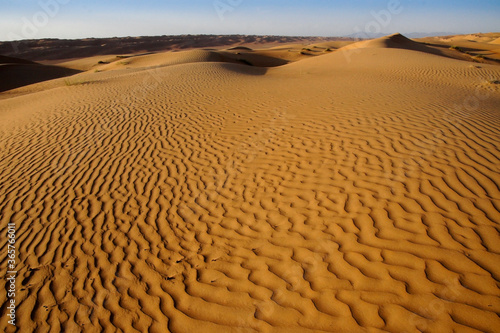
66	19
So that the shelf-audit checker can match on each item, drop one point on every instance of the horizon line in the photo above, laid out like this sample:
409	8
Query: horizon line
351	36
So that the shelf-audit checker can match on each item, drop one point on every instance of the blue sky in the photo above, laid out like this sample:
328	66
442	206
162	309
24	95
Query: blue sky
26	19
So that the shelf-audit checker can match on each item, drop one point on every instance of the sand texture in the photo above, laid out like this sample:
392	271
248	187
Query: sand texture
353	190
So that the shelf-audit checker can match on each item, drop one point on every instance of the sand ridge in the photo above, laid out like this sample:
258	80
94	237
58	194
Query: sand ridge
357	190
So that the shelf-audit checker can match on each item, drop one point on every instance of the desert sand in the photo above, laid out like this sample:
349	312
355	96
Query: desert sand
297	188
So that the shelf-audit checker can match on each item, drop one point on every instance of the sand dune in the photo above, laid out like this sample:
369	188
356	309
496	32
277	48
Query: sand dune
240	56
4	60
167	59
478	47
399	41
481	37
396	40
353	191
17	72
88	63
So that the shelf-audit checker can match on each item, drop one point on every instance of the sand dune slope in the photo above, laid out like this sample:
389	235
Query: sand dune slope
11	60
17	72
350	192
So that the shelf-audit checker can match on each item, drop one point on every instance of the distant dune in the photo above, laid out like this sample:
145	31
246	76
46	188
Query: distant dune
303	186
477	46
57	49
